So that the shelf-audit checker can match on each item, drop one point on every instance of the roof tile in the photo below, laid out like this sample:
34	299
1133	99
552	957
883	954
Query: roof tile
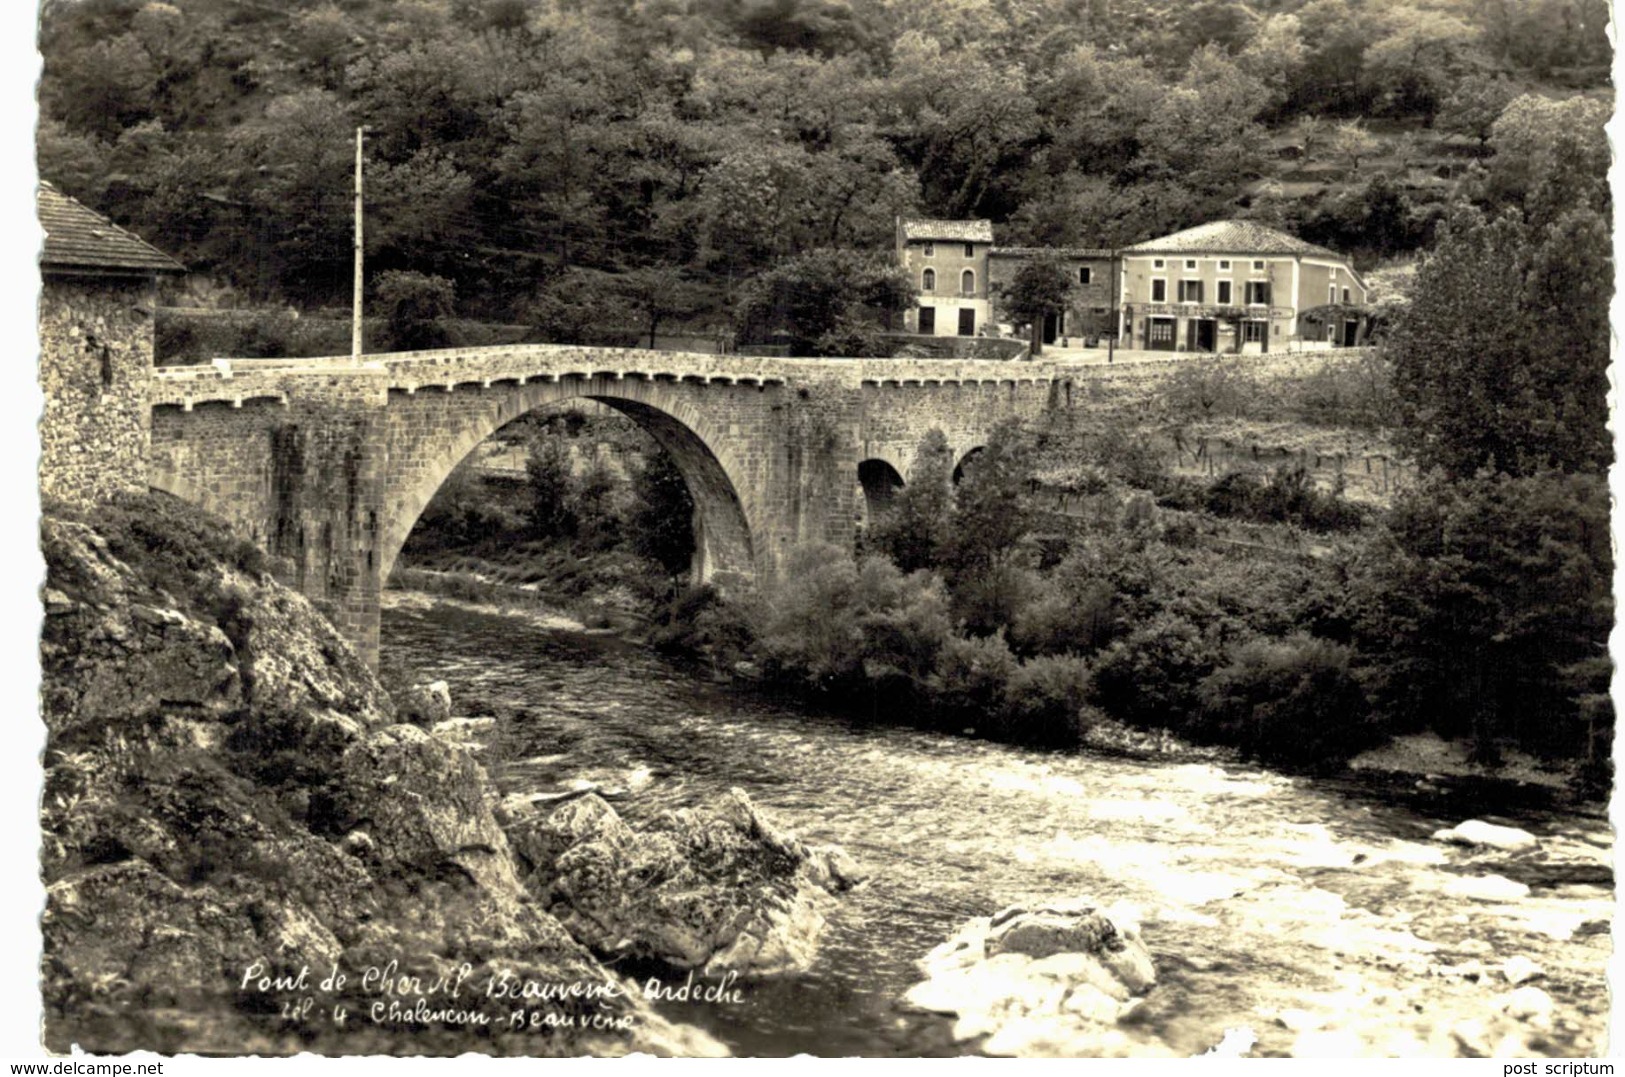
1229	237
78	238
951	231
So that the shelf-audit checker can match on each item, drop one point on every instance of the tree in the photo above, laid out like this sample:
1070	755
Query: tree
1417	55
1040	287
809	297
1479	606
1475	104
657	293
1500	358
551	482
1352	141
570	307
661	523
415	308
914	531
992	515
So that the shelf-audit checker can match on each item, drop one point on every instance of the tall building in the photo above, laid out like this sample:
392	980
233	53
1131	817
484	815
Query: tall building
948	262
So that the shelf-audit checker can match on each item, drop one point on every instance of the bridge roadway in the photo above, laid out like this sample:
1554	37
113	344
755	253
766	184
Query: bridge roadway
329	462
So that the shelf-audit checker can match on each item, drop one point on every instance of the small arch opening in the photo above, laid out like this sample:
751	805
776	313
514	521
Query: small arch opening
880	482
966	461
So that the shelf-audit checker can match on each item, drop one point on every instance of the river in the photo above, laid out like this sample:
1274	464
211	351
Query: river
1280	905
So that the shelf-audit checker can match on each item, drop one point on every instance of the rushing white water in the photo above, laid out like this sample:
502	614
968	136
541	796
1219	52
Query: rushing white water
1320	918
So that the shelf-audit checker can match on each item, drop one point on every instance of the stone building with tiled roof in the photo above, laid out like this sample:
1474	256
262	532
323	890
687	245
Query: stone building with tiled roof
97	299
1088	314
1237	286
948	262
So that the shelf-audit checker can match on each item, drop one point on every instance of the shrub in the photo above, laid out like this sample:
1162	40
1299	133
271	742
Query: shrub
969	684
913	532
1291	702
1071	612
1152	676
1044	700
415	308
991	600
463	512
840	626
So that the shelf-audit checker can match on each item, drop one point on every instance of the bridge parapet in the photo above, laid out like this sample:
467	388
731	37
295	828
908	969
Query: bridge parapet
519	364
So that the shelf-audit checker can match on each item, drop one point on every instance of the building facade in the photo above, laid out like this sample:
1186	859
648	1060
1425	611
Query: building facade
1238	287
1088	315
97	300
948	262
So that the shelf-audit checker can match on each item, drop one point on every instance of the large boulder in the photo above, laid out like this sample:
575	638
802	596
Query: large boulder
114	649
423	804
719	889
1049	980
225	788
1479	834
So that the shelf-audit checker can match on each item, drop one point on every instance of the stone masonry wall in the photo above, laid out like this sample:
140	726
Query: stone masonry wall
302	479
95	363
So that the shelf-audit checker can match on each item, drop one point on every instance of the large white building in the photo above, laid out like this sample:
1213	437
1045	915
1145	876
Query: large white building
1238	286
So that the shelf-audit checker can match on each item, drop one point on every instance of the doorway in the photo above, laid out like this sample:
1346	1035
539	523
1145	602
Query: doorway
1052	328
1203	335
928	320
967	322
1159	334
1351	333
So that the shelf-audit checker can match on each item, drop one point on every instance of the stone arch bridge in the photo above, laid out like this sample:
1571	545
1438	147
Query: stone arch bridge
329	462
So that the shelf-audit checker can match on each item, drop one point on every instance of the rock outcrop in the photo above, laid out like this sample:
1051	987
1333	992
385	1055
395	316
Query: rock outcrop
716	890
1053	980
227	789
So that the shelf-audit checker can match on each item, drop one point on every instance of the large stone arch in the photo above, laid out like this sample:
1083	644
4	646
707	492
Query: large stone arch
725	538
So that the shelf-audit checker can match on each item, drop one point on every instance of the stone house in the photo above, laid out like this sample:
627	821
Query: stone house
948	262
97	298
1238	286
1088	315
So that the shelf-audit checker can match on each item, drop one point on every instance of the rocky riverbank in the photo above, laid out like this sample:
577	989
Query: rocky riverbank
247	849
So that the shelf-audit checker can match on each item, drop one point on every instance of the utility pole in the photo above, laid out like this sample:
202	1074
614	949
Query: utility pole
355	317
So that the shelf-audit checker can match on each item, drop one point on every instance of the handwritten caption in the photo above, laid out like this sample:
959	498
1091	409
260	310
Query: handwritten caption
454	995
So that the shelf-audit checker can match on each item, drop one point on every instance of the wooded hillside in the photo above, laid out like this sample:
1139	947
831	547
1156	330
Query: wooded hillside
549	157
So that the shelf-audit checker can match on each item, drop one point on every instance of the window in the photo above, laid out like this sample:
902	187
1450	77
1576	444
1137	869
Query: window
1259	265
1345	295
970	250
1190	291
1331	293
1159	290
1160	331
1157	263
1252	332
1224	263
1258	293
1190	263
1224	293
1083	275
930	249
928	281
967	282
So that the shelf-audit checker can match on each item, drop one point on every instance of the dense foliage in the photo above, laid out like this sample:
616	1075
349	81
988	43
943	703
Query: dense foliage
572	163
